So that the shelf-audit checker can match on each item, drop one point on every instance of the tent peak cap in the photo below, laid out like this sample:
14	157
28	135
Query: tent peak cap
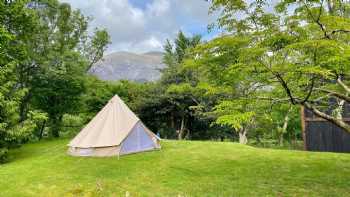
115	98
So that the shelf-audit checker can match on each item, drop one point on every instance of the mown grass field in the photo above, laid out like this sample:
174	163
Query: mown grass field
180	169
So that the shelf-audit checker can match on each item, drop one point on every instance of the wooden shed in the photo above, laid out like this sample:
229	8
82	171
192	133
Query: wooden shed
321	135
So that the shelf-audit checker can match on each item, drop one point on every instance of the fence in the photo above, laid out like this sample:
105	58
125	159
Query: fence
321	135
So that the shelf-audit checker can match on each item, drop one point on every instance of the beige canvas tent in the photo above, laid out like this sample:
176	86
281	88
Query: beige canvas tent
115	130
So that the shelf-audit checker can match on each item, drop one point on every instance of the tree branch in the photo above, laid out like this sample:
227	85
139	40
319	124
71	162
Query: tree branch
272	99
286	88
282	82
92	62
343	85
340	31
310	90
336	94
317	20
325	116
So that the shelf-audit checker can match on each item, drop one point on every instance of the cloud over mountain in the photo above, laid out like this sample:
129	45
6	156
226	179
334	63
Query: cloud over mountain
140	26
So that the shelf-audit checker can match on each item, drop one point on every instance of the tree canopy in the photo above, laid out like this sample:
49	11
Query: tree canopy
45	52
297	54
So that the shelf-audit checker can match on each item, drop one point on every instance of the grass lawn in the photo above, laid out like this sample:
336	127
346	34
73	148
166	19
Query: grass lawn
185	168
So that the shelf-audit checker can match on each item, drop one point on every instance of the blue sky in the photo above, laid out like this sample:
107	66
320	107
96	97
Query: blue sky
140	3
144	25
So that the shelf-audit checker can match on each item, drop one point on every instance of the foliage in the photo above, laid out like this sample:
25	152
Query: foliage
43	63
95	49
209	86
57	91
11	133
231	116
59	83
177	85
72	124
299	52
40	119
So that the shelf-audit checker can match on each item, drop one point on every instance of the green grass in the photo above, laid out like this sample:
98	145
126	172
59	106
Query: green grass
180	169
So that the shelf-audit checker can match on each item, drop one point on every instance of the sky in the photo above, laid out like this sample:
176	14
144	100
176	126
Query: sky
144	25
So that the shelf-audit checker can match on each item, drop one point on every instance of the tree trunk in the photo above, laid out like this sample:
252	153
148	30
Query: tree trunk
23	108
42	130
55	130
280	139
243	136
182	129
284	127
172	121
257	137
188	134
339	110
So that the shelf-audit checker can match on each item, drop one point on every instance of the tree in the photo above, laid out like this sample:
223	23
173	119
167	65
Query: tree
95	49
45	51
176	82
11	133
18	24
53	53
174	57
21	21
231	114
300	51
57	90
64	53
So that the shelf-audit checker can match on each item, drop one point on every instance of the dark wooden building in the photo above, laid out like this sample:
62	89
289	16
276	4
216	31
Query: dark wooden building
321	135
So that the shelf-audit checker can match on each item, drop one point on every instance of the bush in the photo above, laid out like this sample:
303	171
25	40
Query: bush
3	155
72	124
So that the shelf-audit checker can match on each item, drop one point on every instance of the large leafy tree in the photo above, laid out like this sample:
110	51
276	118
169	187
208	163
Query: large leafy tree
45	51
177	82
59	55
11	93
298	54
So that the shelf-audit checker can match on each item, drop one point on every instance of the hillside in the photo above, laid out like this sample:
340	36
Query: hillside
180	169
131	66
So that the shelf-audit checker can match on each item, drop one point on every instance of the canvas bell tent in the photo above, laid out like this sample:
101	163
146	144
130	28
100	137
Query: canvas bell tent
115	130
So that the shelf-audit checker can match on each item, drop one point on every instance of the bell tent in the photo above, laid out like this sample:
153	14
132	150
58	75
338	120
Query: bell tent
114	131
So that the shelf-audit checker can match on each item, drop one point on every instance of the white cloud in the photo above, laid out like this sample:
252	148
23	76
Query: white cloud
151	42
145	29
158	8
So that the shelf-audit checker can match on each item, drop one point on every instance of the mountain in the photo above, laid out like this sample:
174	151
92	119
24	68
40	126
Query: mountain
131	66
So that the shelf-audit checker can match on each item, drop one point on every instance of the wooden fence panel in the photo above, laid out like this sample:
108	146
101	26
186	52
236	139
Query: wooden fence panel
321	135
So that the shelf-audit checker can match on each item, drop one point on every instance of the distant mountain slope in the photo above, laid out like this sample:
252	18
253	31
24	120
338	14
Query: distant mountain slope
130	66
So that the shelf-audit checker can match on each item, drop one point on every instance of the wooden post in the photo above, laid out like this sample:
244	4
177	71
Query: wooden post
303	125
